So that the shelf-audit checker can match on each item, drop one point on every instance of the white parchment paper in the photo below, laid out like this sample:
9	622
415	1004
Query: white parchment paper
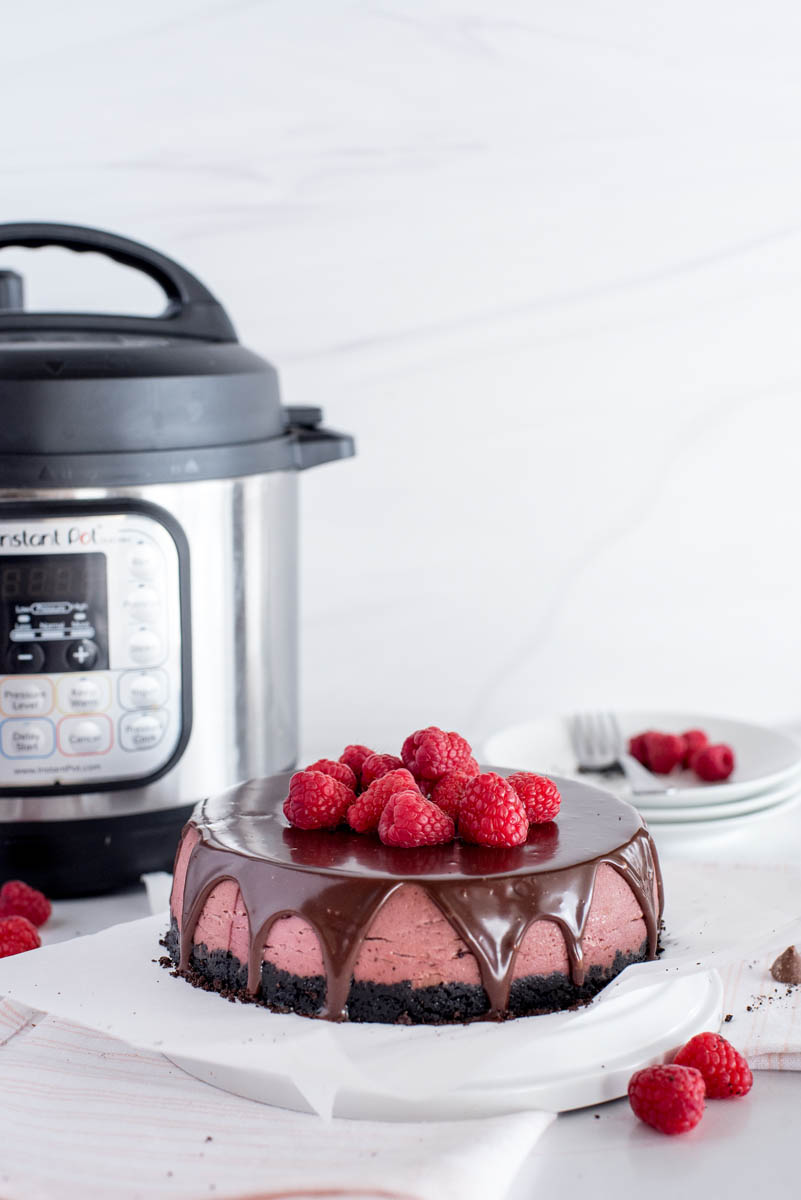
112	982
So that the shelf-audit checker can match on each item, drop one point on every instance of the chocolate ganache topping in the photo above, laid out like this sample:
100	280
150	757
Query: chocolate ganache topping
338	880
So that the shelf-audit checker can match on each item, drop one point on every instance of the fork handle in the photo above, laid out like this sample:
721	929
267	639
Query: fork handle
643	783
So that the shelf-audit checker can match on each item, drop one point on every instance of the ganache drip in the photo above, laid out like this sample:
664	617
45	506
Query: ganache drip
337	882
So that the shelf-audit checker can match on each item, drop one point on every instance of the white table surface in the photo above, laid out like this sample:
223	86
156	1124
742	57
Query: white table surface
604	1148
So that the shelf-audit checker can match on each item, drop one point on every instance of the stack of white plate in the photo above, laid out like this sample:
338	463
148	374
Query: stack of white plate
767	765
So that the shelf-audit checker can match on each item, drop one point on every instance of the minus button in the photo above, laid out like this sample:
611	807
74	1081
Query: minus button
25	659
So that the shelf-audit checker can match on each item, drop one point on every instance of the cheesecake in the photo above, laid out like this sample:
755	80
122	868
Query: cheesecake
336	925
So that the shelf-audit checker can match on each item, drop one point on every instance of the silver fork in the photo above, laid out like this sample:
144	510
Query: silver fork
598	743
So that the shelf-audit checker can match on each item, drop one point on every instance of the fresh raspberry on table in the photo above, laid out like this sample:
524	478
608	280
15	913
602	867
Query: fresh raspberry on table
18	899
694	740
540	795
354	757
17	934
491	812
430	752
725	1071
669	1098
448	791
365	811
410	820
713	763
663	751
377	765
337	770
316	801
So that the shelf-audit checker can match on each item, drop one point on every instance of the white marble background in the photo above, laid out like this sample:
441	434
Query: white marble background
543	259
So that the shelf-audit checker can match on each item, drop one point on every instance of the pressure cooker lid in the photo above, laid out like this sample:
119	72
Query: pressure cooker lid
112	399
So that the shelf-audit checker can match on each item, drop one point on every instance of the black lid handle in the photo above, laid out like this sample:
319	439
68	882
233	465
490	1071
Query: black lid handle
191	309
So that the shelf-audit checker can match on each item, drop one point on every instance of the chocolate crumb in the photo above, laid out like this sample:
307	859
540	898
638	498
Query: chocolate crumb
748	1008
727	1018
209	1138
787	967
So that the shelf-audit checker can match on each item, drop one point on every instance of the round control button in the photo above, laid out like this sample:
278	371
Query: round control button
84	693
143	561
143	602
145	647
143	690
141	731
76	735
80	655
27	739
25	658
26	697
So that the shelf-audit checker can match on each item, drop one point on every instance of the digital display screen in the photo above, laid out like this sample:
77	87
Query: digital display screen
53	601
62	577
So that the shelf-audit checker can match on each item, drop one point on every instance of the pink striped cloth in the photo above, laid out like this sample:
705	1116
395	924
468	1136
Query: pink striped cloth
86	1117
764	1016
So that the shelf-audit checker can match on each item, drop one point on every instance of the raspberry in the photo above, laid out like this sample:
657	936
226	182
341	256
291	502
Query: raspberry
713	763
365	811
492	813
337	770
725	1071
670	1098
377	765
316	801
430	752
17	899
17	934
637	748
541	796
409	820
354	756
694	740
468	768
448	791
663	751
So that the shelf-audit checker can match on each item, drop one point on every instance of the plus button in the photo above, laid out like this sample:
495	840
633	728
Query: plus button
81	655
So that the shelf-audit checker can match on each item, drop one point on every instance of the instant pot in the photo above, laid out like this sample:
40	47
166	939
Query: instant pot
148	570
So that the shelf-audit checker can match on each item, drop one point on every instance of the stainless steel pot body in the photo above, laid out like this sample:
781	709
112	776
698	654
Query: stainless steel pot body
242	538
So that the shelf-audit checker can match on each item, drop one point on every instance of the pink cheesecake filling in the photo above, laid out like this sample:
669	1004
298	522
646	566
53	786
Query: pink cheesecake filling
188	842
410	939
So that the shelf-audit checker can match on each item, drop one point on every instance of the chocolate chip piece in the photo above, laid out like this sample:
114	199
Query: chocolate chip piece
787	967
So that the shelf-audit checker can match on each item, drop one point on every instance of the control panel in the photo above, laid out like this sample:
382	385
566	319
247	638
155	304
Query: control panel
91	648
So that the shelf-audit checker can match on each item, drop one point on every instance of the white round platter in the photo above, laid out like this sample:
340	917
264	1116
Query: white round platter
548	1063
764	757
726	810
757	837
